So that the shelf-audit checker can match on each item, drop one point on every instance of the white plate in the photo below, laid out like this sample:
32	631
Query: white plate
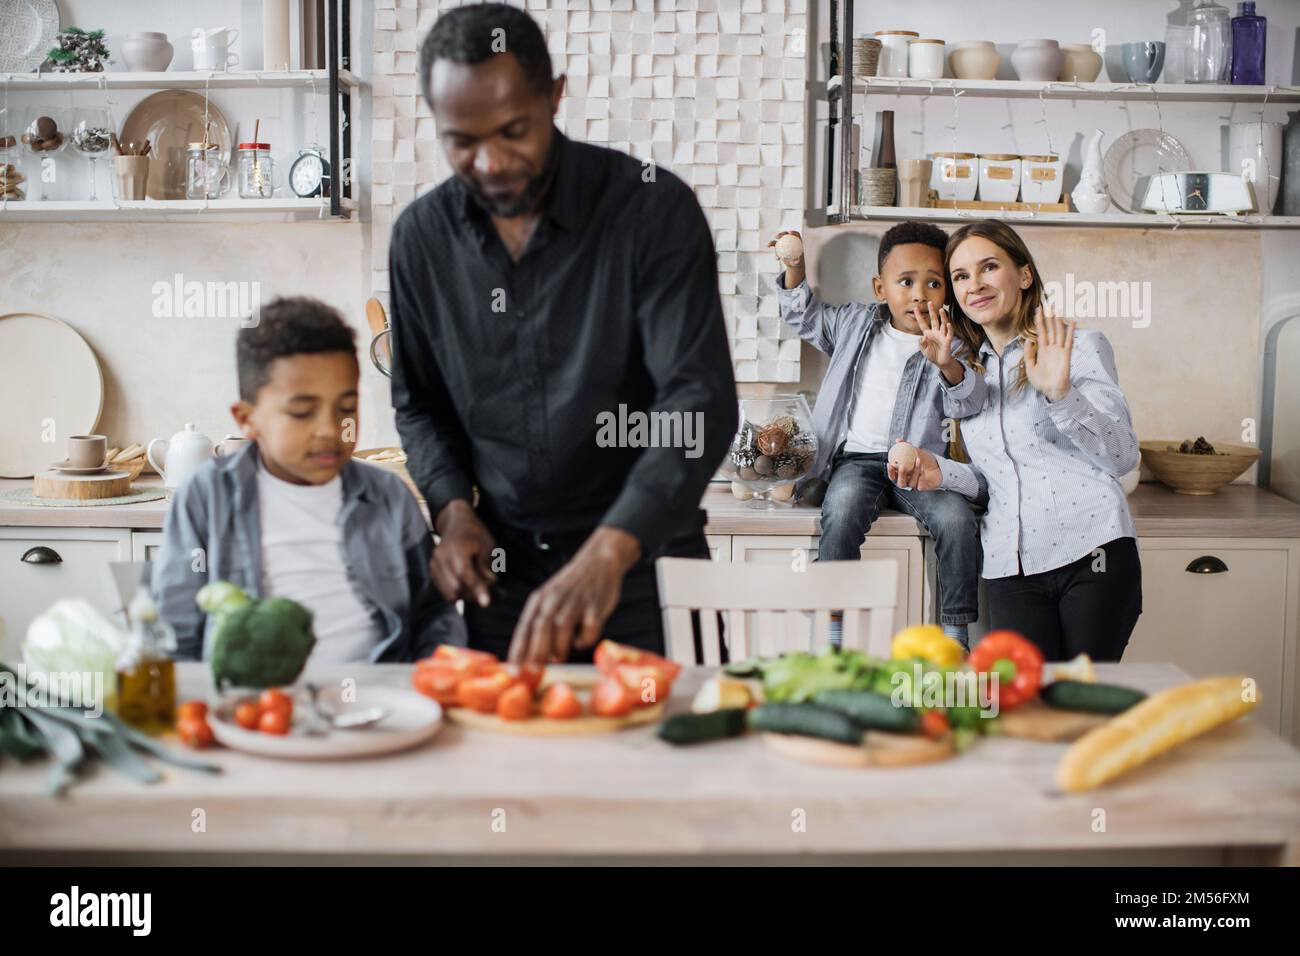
51	387
27	32
412	718
171	120
1138	153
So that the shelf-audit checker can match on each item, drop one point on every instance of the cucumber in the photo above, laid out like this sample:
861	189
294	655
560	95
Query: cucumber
870	709
808	720
697	728
1094	698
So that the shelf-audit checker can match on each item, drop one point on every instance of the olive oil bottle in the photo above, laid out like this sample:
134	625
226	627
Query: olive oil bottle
146	671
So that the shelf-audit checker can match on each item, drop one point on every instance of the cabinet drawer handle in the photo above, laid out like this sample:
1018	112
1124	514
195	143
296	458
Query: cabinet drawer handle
41	555
1207	564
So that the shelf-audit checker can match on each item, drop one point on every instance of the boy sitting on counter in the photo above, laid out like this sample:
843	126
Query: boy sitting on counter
292	515
878	390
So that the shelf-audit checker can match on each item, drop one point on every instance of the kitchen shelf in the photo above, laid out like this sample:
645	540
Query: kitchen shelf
172	210
197	80
1112	219
1058	90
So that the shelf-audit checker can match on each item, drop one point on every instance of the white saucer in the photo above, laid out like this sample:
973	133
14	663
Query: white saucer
67	469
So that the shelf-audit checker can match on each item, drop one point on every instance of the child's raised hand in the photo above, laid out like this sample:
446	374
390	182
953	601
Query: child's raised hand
936	334
1047	358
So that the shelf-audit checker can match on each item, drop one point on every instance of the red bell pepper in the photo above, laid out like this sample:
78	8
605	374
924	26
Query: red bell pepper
1016	660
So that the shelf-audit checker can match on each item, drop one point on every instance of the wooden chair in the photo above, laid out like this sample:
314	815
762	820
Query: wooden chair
766	607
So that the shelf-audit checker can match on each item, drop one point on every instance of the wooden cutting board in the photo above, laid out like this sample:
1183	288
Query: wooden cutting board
548	727
1036	721
581	680
879	749
106	484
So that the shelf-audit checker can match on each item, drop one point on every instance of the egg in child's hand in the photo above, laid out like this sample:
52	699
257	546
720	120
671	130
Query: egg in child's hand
789	248
902	456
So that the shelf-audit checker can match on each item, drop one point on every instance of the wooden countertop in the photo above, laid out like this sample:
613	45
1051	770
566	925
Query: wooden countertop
630	794
1238	511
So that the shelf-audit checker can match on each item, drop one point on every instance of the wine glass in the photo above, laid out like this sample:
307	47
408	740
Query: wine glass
44	136
92	137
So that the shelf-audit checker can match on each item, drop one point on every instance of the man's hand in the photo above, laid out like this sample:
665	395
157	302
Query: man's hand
461	566
922	476
576	601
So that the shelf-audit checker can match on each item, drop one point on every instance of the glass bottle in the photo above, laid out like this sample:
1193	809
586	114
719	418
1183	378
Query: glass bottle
1249	34
1210	56
146	672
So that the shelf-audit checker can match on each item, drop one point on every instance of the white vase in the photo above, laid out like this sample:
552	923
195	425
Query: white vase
1255	152
147	52
1090	194
1037	60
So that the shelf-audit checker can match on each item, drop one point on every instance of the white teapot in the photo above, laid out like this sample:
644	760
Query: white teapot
187	450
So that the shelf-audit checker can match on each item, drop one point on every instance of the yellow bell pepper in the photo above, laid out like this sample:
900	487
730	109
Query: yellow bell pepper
927	641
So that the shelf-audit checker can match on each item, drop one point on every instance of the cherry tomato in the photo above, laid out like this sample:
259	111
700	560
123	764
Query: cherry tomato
934	724
247	714
273	722
194	732
195	709
277	701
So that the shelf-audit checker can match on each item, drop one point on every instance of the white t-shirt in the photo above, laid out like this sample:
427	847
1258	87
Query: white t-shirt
302	559
873	408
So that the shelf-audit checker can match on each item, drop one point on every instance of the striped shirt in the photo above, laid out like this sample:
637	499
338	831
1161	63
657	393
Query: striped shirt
1050	469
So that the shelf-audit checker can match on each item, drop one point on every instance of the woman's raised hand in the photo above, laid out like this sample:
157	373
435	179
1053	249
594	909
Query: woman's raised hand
1047	357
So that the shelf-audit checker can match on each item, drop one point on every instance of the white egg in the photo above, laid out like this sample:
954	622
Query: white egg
789	247
902	455
741	491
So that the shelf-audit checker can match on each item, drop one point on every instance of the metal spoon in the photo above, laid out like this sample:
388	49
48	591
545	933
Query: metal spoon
353	720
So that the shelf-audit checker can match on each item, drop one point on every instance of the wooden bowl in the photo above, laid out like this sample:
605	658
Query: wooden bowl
1196	474
396	467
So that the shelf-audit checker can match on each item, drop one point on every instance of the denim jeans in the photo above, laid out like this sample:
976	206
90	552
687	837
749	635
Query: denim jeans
860	486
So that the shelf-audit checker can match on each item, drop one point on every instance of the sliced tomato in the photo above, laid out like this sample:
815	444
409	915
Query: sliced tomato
647	683
440	683
559	702
610	698
463	659
528	674
515	702
482	693
610	656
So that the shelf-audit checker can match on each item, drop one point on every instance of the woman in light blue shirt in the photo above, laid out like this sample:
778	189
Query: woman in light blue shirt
1049	435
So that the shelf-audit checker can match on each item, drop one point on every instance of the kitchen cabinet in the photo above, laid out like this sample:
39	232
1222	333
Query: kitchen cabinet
719	546
43	565
1235	612
145	545
1223	606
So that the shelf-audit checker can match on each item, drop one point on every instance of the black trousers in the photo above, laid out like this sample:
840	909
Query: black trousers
530	560
1090	605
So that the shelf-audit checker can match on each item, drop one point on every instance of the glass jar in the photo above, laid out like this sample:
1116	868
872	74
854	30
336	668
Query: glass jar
206	176
256	171
1210	56
774	447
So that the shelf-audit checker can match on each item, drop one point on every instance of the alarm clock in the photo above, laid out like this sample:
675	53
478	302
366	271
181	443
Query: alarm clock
309	175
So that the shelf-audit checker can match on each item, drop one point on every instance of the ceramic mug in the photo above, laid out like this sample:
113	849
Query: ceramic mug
230	445
87	451
1144	60
132	174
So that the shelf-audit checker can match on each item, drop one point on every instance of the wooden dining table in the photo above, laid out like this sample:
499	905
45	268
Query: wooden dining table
474	796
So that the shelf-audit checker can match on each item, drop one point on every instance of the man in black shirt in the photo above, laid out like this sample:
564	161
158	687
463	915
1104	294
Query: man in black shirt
558	342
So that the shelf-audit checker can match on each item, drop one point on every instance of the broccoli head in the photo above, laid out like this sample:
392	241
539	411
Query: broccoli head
261	643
